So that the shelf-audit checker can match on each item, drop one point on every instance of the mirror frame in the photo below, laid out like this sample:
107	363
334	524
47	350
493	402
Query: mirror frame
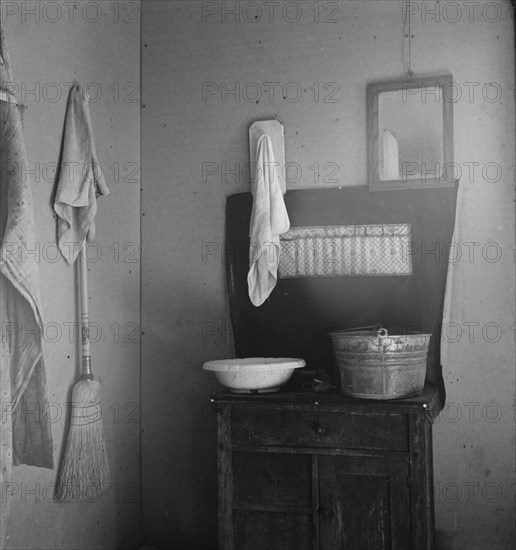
374	89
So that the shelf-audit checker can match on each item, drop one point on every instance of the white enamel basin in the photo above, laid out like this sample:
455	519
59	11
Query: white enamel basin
250	374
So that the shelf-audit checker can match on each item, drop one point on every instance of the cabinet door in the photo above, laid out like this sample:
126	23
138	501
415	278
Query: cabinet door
364	503
259	530
272	501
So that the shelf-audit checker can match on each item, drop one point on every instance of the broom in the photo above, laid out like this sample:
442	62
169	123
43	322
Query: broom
84	471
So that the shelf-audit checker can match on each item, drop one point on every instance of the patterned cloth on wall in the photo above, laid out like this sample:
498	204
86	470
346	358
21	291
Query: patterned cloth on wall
357	250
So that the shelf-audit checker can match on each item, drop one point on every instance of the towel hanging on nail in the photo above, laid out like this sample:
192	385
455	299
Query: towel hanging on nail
80	179
269	219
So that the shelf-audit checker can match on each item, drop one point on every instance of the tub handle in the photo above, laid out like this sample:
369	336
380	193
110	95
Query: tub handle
383	339
377	326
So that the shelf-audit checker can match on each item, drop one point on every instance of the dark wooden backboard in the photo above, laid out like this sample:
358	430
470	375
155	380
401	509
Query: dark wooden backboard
296	319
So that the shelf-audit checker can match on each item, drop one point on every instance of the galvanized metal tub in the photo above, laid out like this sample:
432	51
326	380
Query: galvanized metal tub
374	364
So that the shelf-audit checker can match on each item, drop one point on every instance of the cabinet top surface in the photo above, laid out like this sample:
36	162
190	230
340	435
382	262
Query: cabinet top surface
426	401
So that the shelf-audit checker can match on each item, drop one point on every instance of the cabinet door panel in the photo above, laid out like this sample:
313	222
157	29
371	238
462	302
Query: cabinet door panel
364	503
272	479
272	531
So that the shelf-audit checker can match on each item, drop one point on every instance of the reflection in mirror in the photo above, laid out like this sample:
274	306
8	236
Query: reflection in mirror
411	134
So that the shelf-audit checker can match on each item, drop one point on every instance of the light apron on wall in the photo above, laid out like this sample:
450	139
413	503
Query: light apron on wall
22	367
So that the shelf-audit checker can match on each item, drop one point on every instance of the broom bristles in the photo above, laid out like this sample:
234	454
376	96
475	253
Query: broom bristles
84	471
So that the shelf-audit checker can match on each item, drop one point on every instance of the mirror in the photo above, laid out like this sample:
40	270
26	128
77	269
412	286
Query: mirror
410	133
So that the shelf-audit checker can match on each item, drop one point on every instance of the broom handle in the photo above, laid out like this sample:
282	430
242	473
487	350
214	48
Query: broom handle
86	373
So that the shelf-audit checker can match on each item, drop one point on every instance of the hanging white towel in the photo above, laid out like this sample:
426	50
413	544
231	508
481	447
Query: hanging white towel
80	179
269	219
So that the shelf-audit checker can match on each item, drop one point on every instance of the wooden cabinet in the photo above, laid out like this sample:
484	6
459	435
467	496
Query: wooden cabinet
302	471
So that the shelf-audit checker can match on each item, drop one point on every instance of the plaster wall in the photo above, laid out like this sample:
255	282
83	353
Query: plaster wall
205	75
51	44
